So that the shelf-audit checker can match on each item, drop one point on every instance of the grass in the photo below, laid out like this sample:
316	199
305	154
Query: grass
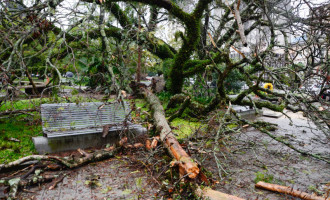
184	128
22	128
263	176
20	105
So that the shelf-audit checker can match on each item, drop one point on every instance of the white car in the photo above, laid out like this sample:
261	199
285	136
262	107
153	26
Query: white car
192	80
312	89
315	89
245	87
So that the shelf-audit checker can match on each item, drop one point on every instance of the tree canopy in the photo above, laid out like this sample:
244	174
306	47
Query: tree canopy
227	42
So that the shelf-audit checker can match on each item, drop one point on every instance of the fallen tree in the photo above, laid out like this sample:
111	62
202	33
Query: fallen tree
186	163
187	166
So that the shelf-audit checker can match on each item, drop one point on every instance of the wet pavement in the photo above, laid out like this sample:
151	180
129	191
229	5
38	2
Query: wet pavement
254	154
111	179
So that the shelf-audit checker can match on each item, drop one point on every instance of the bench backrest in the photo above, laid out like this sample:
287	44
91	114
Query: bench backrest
71	116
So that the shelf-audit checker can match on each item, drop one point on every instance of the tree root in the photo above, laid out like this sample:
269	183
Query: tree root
56	181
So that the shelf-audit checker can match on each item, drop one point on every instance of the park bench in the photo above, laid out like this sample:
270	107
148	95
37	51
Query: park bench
28	89
68	126
66	119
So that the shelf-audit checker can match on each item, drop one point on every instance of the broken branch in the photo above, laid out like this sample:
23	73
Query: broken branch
69	163
288	190
208	193
240	24
56	181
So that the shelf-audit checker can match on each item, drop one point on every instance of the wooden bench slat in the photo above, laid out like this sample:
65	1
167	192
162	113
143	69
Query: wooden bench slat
74	119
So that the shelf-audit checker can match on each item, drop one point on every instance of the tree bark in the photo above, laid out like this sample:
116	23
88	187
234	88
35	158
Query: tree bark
138	69
186	163
289	191
69	163
240	24
34	88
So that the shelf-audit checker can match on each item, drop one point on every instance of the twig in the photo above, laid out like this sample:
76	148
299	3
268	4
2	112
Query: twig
56	181
17	172
220	130
238	51
31	171
149	172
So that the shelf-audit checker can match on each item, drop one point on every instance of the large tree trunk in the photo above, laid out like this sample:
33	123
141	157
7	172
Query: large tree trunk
138	69
34	88
186	163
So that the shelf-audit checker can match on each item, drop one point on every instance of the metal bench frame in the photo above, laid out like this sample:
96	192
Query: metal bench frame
67	119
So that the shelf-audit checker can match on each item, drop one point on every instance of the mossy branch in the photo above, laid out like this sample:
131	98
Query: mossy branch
122	18
69	163
183	106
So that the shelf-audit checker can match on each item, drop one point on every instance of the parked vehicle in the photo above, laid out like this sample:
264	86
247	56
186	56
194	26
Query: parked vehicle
311	89
245	87
326	95
315	89
192	81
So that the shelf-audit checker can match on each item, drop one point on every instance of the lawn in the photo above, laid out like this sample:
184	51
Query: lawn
15	136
